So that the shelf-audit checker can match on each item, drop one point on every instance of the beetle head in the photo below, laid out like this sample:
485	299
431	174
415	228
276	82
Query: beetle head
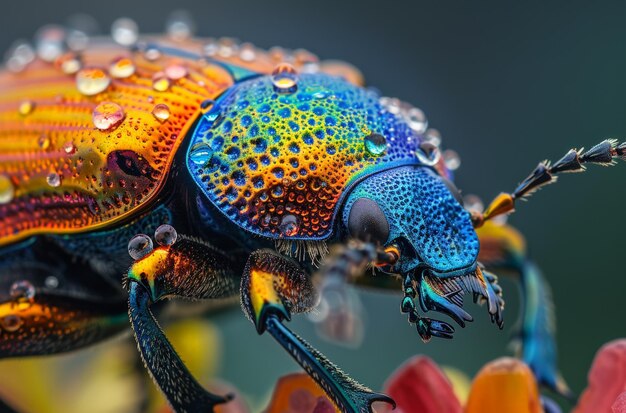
419	211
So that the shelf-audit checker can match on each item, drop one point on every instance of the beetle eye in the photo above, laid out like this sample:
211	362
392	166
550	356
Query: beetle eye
367	222
453	190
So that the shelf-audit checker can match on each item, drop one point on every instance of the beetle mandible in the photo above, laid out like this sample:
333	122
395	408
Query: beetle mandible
245	165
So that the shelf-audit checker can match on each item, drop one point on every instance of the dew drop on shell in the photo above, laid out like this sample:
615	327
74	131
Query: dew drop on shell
53	179
428	154
19	56
49	42
285	78
91	81
22	291
11	322
7	190
152	54
139	246
160	82
165	235
452	159
200	154
288	225
51	281
69	63
180	25
107	115
125	31
26	107
161	112
416	120
247	52
122	67
375	143
175	71
69	148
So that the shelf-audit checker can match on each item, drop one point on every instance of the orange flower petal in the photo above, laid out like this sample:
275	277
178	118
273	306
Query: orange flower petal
504	385
298	393
419	386
607	379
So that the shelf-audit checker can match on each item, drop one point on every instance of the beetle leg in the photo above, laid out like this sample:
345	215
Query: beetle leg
272	288
503	248
605	153
187	269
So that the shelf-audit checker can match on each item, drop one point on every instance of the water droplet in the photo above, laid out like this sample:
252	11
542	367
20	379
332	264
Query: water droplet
160	82
69	63
180	25
375	144
53	179
11	322
139	246
77	40
285	78
51	281
433	136
200	154
125	31
452	159
49	42
22	291
26	107
19	56
165	235
161	112
107	115
92	81
391	104
210	48
121	68
428	154
289	225
416	120
152	54
227	47
7	191
43	142
69	148
175	71
247	52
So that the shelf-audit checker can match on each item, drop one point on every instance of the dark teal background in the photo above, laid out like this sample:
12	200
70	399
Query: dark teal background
508	85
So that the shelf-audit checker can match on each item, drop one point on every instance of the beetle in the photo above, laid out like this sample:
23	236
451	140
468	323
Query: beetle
245	165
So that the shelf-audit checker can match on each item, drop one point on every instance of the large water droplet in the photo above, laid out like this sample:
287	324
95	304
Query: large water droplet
139	246
22	291
161	112
92	81
175	71
452	159
247	52
121	68
49	42
152	54
285	78
289	225
53	179
125	31
200	154
375	144
433	136
107	115
428	154
7	191
160	82
26	107
11	322
165	235
180	25
416	120
69	63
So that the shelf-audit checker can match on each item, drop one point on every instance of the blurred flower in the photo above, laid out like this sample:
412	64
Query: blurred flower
606	392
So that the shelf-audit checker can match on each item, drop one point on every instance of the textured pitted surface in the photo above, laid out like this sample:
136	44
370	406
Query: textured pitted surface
277	164
420	208
67	170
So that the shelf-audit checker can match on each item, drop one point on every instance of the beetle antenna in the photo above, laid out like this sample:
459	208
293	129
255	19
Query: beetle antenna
605	153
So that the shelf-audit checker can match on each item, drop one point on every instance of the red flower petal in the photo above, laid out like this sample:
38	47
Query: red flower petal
607	379
419	386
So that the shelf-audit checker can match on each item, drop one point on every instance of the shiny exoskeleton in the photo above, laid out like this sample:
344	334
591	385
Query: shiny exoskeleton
246	166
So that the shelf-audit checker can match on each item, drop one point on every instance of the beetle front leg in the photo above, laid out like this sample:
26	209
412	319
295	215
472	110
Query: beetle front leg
188	269
272	288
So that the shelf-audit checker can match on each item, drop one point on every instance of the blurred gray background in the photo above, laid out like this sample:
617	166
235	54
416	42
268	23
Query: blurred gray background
508	85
